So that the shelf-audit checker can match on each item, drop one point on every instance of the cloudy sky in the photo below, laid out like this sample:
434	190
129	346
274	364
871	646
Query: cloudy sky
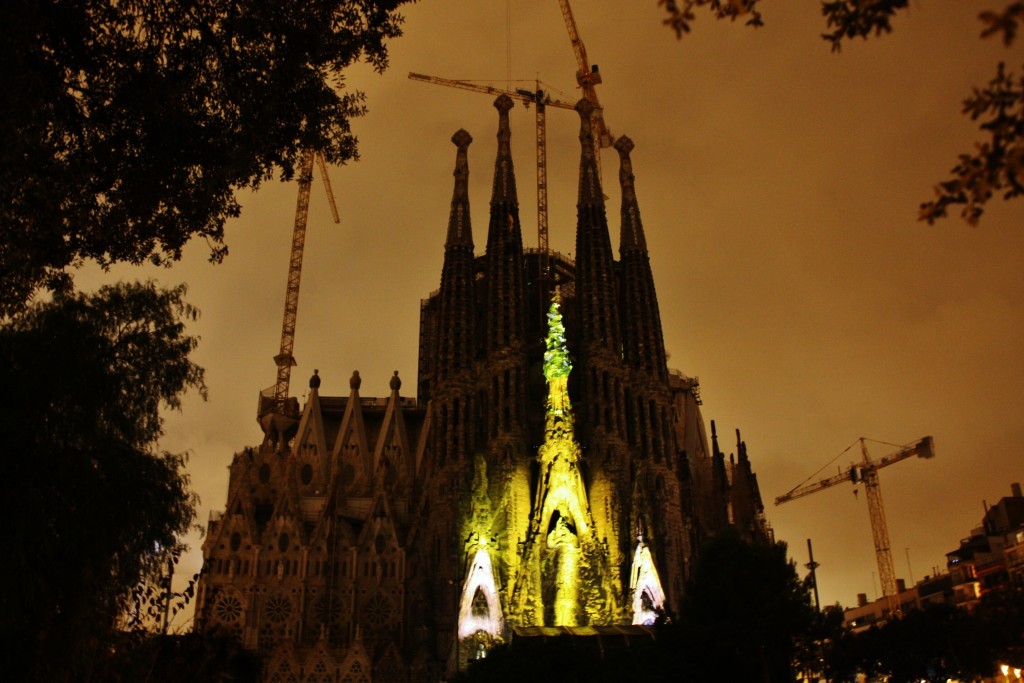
778	184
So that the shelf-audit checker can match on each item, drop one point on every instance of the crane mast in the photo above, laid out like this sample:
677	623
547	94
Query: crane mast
866	472
277	405
587	76
541	100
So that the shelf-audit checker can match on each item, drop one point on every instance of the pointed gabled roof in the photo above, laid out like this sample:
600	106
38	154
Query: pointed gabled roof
354	423
393	431
357	667
311	427
379	521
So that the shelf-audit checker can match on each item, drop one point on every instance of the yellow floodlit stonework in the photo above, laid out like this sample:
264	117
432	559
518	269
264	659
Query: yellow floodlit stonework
564	576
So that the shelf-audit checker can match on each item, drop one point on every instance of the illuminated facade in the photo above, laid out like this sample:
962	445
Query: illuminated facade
552	470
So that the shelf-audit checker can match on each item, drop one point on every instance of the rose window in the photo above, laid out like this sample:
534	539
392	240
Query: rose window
377	610
228	609
278	609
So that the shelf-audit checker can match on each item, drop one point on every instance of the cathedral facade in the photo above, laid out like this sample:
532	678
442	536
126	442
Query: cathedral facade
551	473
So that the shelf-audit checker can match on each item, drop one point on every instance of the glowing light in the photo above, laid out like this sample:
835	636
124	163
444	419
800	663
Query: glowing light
477	615
565	543
644	584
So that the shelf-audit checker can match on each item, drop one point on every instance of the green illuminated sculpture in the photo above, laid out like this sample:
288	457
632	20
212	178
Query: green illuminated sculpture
563	577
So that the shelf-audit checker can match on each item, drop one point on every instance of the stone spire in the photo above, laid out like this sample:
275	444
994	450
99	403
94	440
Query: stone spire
505	292
459	229
643	344
456	345
595	268
504	190
599	330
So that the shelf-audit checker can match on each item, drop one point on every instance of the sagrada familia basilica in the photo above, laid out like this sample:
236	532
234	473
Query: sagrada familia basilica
552	474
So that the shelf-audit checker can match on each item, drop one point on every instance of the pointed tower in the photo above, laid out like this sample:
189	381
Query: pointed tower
456	339
660	469
600	338
453	359
504	261
602	383
643	345
502	385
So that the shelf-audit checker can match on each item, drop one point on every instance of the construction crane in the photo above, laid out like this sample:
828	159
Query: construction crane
275	414
866	472
587	76
541	100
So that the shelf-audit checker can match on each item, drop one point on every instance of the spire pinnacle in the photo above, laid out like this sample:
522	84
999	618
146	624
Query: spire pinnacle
632	236
459	229
504	177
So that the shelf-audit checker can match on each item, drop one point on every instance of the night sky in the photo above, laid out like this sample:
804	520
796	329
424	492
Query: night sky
778	184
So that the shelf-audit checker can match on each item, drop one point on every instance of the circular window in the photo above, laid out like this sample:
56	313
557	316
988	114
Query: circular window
228	609
282	542
377	610
264	473
236	541
279	608
307	473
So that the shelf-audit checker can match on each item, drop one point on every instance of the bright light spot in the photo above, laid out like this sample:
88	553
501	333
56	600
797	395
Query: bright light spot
477	615
644	584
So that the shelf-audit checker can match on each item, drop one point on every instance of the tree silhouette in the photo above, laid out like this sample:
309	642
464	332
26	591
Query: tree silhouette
128	127
91	506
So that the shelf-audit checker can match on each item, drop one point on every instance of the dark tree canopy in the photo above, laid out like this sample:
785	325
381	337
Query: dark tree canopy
92	507
745	609
996	167
936	644
128	126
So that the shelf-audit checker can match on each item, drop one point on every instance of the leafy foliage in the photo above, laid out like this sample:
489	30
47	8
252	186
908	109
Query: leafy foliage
996	165
856	19
128	126
1006	22
681	16
92	507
